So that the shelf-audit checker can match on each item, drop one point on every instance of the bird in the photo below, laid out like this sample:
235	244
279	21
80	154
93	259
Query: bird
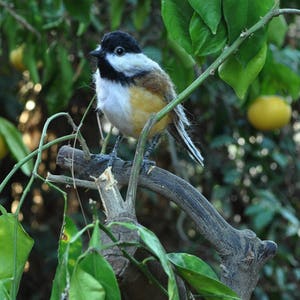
130	87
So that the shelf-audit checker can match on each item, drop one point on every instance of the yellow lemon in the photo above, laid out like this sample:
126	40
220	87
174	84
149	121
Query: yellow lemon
16	58
269	112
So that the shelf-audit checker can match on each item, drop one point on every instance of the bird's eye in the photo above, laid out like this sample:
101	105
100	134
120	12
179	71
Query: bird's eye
119	51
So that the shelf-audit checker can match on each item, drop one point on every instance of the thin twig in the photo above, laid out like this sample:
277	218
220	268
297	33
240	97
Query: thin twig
70	181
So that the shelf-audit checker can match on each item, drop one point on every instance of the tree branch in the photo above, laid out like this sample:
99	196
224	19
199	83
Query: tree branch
242	252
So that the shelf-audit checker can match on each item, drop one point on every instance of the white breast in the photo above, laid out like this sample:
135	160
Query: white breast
113	100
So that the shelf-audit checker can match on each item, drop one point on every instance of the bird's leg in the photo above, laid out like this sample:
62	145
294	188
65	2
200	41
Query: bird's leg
152	146
147	163
113	154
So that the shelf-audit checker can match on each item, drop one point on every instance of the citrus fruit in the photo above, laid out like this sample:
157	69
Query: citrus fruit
269	112
16	58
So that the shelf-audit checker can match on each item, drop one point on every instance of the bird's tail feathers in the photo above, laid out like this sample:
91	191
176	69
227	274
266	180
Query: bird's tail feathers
178	131
188	143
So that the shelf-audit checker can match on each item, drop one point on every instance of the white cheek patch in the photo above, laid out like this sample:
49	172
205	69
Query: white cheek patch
131	64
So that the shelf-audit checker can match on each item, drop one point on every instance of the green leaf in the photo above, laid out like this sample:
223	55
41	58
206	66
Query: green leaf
210	12
176	16
154	245
73	250
201	277
10	29
79	10
85	286
263	211
93	278
192	262
278	78
140	13
180	57
150	239
236	17
251	47
14	142
239	77
95	241
203	41
116	10
281	159
263	219
68	254
277	29
15	247
4	294
241	17
268	196
290	216
244	14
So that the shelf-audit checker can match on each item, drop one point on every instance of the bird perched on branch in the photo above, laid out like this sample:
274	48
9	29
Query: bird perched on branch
130	87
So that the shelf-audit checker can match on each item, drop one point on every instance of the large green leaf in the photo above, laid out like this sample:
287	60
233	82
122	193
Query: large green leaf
262	212
93	278
179	57
240	77
240	16
95	241
14	142
85	286
4	294
203	41
176	16
210	12
15	247
154	245
277	29
201	277
278	76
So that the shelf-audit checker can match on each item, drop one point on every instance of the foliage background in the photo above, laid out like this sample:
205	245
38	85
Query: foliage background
257	186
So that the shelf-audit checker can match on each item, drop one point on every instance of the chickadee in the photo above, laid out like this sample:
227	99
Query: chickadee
130	87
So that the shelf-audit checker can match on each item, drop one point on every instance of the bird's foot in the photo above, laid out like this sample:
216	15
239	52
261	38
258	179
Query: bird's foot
147	166
113	155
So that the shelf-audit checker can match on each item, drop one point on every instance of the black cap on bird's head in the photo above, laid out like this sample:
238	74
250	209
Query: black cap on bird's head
119	57
117	42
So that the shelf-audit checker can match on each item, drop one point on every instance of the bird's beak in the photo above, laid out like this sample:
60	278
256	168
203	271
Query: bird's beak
97	53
